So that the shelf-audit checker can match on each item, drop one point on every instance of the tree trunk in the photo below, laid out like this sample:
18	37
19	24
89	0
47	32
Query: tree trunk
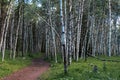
6	25
80	17
11	36
63	37
70	33
110	28
16	33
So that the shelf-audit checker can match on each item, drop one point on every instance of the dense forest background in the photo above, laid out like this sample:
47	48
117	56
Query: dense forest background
70	29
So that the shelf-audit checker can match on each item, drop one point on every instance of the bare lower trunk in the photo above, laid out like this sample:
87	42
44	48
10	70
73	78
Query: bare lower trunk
70	33
16	36
3	42
110	28
63	37
11	37
80	13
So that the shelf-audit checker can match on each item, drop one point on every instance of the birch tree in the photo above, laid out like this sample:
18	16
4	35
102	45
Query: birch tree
110	28
79	25
63	37
70	25
5	29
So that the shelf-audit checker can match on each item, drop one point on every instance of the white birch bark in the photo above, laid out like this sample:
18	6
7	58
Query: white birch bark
70	33
63	37
3	42
110	28
80	13
16	35
52	32
4	25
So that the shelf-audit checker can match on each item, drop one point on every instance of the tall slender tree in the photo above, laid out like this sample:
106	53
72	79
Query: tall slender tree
110	28
63	37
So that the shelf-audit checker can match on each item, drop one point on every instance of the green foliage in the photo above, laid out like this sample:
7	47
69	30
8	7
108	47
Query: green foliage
52	60
35	55
84	71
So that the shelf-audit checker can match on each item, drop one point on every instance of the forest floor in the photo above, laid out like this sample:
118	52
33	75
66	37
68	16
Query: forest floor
85	70
31	72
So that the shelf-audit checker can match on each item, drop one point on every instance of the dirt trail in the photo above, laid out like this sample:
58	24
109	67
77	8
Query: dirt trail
31	72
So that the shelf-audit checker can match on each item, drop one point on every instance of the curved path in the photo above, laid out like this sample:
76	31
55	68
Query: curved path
31	72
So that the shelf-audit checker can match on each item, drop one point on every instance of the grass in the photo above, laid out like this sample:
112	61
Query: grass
9	65
84	70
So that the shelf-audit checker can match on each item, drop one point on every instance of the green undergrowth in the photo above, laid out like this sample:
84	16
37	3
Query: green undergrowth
35	55
9	65
85	70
